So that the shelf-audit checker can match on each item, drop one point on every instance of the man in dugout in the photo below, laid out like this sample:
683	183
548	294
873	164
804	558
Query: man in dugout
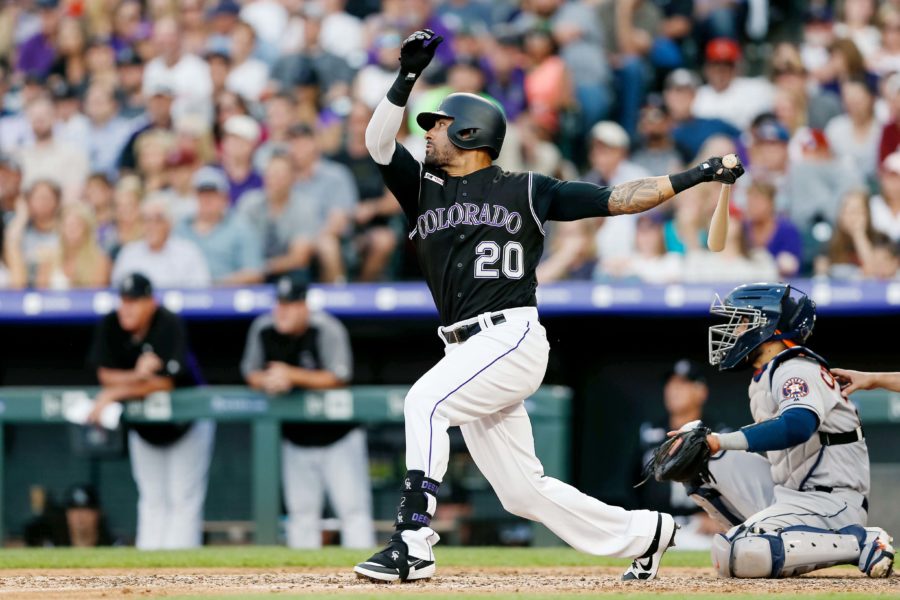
138	350
295	348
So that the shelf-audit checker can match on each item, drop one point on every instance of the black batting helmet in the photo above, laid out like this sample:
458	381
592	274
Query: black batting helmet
477	122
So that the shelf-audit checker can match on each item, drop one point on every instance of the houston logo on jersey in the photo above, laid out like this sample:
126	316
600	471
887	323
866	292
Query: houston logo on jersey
794	388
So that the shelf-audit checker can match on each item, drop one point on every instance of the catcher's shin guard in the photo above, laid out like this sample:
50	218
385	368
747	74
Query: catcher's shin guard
785	553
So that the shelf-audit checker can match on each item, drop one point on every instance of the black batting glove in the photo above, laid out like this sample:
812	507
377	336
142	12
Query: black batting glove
416	53
710	169
713	170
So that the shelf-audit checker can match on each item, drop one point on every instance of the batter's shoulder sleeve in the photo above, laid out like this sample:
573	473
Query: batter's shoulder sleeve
334	346
254	358
401	172
556	200
796	385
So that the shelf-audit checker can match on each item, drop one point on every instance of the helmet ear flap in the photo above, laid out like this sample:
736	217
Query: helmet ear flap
798	317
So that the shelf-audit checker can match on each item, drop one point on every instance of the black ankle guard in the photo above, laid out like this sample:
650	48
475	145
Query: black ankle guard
413	510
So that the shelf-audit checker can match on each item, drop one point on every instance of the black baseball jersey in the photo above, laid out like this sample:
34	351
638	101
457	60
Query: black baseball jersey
480	237
115	348
324	345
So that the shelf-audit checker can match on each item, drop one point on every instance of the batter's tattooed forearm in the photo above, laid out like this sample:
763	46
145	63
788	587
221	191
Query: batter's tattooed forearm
639	195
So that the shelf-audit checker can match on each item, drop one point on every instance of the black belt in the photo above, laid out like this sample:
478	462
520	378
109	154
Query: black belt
828	489
464	332
844	437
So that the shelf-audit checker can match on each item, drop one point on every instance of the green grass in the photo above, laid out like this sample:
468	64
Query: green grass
277	556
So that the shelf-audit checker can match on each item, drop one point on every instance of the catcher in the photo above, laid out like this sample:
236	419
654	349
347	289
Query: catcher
792	488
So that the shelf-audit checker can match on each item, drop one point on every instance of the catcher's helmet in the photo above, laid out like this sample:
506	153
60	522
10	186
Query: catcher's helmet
757	313
477	122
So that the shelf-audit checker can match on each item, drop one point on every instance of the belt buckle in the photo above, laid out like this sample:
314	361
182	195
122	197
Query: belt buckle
453	336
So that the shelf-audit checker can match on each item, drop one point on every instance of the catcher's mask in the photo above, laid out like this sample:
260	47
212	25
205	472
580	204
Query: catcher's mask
758	313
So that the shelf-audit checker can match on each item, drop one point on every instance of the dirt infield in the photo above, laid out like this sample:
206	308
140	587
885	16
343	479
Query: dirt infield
117	583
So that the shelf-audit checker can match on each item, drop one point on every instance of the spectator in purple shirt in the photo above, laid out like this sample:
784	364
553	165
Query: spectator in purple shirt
765	229
506	79
38	53
241	134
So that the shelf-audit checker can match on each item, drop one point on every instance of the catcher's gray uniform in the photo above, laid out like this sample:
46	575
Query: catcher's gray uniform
798	509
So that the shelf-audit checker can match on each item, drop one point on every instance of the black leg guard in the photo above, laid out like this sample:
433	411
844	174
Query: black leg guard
417	502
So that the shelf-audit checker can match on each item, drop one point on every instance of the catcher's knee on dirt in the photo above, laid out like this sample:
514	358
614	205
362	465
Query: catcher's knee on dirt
784	553
417	502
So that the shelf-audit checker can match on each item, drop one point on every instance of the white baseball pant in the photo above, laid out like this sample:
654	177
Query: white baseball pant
480	385
744	480
342	470
171	482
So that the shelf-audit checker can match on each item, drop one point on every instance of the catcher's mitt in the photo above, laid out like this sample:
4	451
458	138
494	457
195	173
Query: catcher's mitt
683	457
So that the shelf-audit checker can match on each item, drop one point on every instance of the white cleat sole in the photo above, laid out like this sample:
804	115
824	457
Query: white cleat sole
375	574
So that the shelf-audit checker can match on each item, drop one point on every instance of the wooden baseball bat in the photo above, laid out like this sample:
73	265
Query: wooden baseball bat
718	225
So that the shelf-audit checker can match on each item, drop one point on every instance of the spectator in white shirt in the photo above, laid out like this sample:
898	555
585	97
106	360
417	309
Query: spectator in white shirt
169	262
342	33
186	73
856	134
885	208
248	76
49	158
610	166
650	263
736	100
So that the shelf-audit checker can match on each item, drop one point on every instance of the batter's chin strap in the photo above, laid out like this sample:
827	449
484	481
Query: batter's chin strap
417	502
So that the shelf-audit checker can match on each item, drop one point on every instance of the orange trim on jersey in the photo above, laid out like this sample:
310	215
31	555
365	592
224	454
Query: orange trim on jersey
787	343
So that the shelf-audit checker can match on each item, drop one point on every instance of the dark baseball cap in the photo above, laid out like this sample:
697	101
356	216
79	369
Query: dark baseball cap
81	496
225	7
301	130
687	369
47	4
770	130
136	285
290	289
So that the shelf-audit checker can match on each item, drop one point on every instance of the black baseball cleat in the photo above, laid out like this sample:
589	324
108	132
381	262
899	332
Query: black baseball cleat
645	567
394	564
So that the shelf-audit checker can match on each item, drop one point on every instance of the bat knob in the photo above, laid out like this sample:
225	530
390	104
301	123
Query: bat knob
729	161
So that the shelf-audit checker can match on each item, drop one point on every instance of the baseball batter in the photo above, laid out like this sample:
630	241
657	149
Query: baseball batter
479	232
802	504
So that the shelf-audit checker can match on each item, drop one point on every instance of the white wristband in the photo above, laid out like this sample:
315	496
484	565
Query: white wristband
736	440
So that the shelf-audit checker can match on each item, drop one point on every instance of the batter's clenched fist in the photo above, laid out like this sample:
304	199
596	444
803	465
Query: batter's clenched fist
416	52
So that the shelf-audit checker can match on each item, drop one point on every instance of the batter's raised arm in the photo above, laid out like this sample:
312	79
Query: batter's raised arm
643	194
556	200
416	53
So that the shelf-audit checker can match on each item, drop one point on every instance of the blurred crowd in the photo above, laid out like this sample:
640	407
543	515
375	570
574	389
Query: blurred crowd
221	142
